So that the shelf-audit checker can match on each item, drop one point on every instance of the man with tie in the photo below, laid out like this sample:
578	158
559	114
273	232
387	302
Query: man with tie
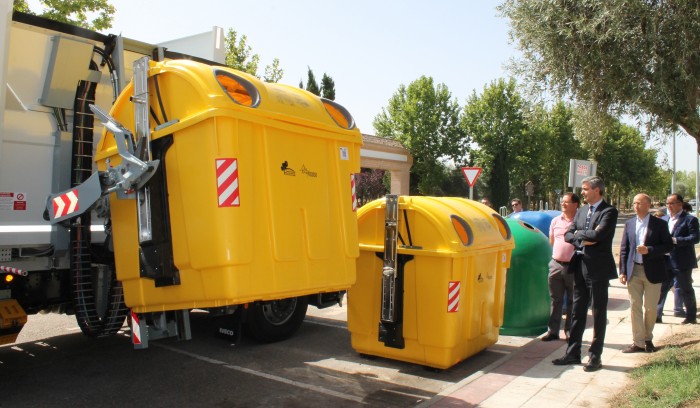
684	233
592	234
645	242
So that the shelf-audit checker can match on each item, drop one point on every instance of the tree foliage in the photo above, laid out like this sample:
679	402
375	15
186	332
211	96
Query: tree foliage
685	184
618	56
327	87
91	14
273	72
370	185
240	56
625	163
425	118
311	84
494	121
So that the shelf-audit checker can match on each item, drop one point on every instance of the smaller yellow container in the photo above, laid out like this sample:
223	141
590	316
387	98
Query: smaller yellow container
453	287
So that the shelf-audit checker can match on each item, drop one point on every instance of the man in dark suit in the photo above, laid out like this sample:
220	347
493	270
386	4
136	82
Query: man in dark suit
592	234
684	233
645	242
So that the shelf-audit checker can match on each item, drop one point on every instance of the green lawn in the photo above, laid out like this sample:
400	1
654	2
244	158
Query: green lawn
670	379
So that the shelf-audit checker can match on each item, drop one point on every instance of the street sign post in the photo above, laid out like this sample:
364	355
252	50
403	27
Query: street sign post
471	174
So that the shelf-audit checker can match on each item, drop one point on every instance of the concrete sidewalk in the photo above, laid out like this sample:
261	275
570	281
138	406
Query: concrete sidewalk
527	377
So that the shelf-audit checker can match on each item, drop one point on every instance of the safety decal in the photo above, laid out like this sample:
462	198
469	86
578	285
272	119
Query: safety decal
453	296
65	204
13	201
135	329
354	195
227	182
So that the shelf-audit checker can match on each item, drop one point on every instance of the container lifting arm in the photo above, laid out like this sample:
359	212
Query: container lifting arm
132	174
391	319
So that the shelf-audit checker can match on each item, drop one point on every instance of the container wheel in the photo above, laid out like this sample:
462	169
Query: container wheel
275	320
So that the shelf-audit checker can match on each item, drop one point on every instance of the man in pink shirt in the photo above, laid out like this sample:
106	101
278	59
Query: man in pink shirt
561	282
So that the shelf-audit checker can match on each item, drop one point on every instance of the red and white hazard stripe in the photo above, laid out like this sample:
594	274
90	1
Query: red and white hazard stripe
352	190
14	271
65	204
135	329
227	182
453	296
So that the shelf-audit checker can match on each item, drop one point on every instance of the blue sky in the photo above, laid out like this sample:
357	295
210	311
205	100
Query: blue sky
369	48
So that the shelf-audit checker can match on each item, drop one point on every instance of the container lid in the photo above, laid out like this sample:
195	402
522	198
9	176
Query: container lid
440	225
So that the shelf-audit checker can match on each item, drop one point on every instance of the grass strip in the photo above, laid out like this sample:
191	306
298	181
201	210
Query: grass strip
670	379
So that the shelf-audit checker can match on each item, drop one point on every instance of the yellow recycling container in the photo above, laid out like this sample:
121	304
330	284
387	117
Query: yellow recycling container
253	197
452	255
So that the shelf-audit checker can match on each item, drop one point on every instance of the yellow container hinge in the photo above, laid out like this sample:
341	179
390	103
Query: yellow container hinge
12	319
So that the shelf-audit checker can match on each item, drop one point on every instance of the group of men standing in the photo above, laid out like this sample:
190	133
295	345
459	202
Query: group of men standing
652	251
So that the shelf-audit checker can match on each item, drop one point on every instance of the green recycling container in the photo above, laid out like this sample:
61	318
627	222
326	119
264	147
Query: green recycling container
526	308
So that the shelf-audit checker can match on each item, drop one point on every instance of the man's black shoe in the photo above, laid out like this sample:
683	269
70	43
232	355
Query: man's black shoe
567	360
649	347
688	321
634	349
549	337
658	319
594	364
679	314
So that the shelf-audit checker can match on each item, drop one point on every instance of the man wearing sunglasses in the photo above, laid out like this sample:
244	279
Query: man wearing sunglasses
516	205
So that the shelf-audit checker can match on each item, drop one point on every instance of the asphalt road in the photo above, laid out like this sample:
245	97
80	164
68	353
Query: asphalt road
53	364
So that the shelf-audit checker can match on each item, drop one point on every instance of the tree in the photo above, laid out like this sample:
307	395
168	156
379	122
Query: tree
425	118
618	56
370	185
239	56
685	184
74	12
327	87
543	157
494	121
273	73
311	84
626	165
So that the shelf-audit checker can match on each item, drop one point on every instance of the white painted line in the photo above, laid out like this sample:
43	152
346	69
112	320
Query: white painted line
315	388
339	325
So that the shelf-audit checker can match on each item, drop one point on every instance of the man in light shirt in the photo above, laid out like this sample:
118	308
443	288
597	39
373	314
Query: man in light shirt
560	281
645	241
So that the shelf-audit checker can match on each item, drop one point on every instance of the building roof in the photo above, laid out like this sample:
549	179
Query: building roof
381	141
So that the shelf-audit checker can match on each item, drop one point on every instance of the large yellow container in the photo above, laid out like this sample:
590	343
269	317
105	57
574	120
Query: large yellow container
453	287
279	223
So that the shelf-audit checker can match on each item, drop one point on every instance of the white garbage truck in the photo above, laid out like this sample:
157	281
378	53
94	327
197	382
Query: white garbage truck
139	182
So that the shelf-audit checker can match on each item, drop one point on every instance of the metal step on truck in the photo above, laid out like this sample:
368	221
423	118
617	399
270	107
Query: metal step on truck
138	182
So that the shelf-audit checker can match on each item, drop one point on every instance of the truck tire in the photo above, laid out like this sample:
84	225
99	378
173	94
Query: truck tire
275	320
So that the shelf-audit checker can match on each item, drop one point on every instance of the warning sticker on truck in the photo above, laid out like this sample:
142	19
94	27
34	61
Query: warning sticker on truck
13	201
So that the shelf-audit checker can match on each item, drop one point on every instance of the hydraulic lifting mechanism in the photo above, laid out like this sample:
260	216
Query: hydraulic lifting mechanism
391	320
141	177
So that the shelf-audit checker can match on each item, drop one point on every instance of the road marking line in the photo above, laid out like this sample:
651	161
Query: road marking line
272	377
339	325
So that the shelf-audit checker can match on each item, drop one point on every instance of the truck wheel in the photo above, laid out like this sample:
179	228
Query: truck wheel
276	320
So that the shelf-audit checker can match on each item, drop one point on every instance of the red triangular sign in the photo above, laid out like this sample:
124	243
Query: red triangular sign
471	174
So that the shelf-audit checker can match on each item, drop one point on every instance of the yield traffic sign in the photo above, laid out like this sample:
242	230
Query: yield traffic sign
471	174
